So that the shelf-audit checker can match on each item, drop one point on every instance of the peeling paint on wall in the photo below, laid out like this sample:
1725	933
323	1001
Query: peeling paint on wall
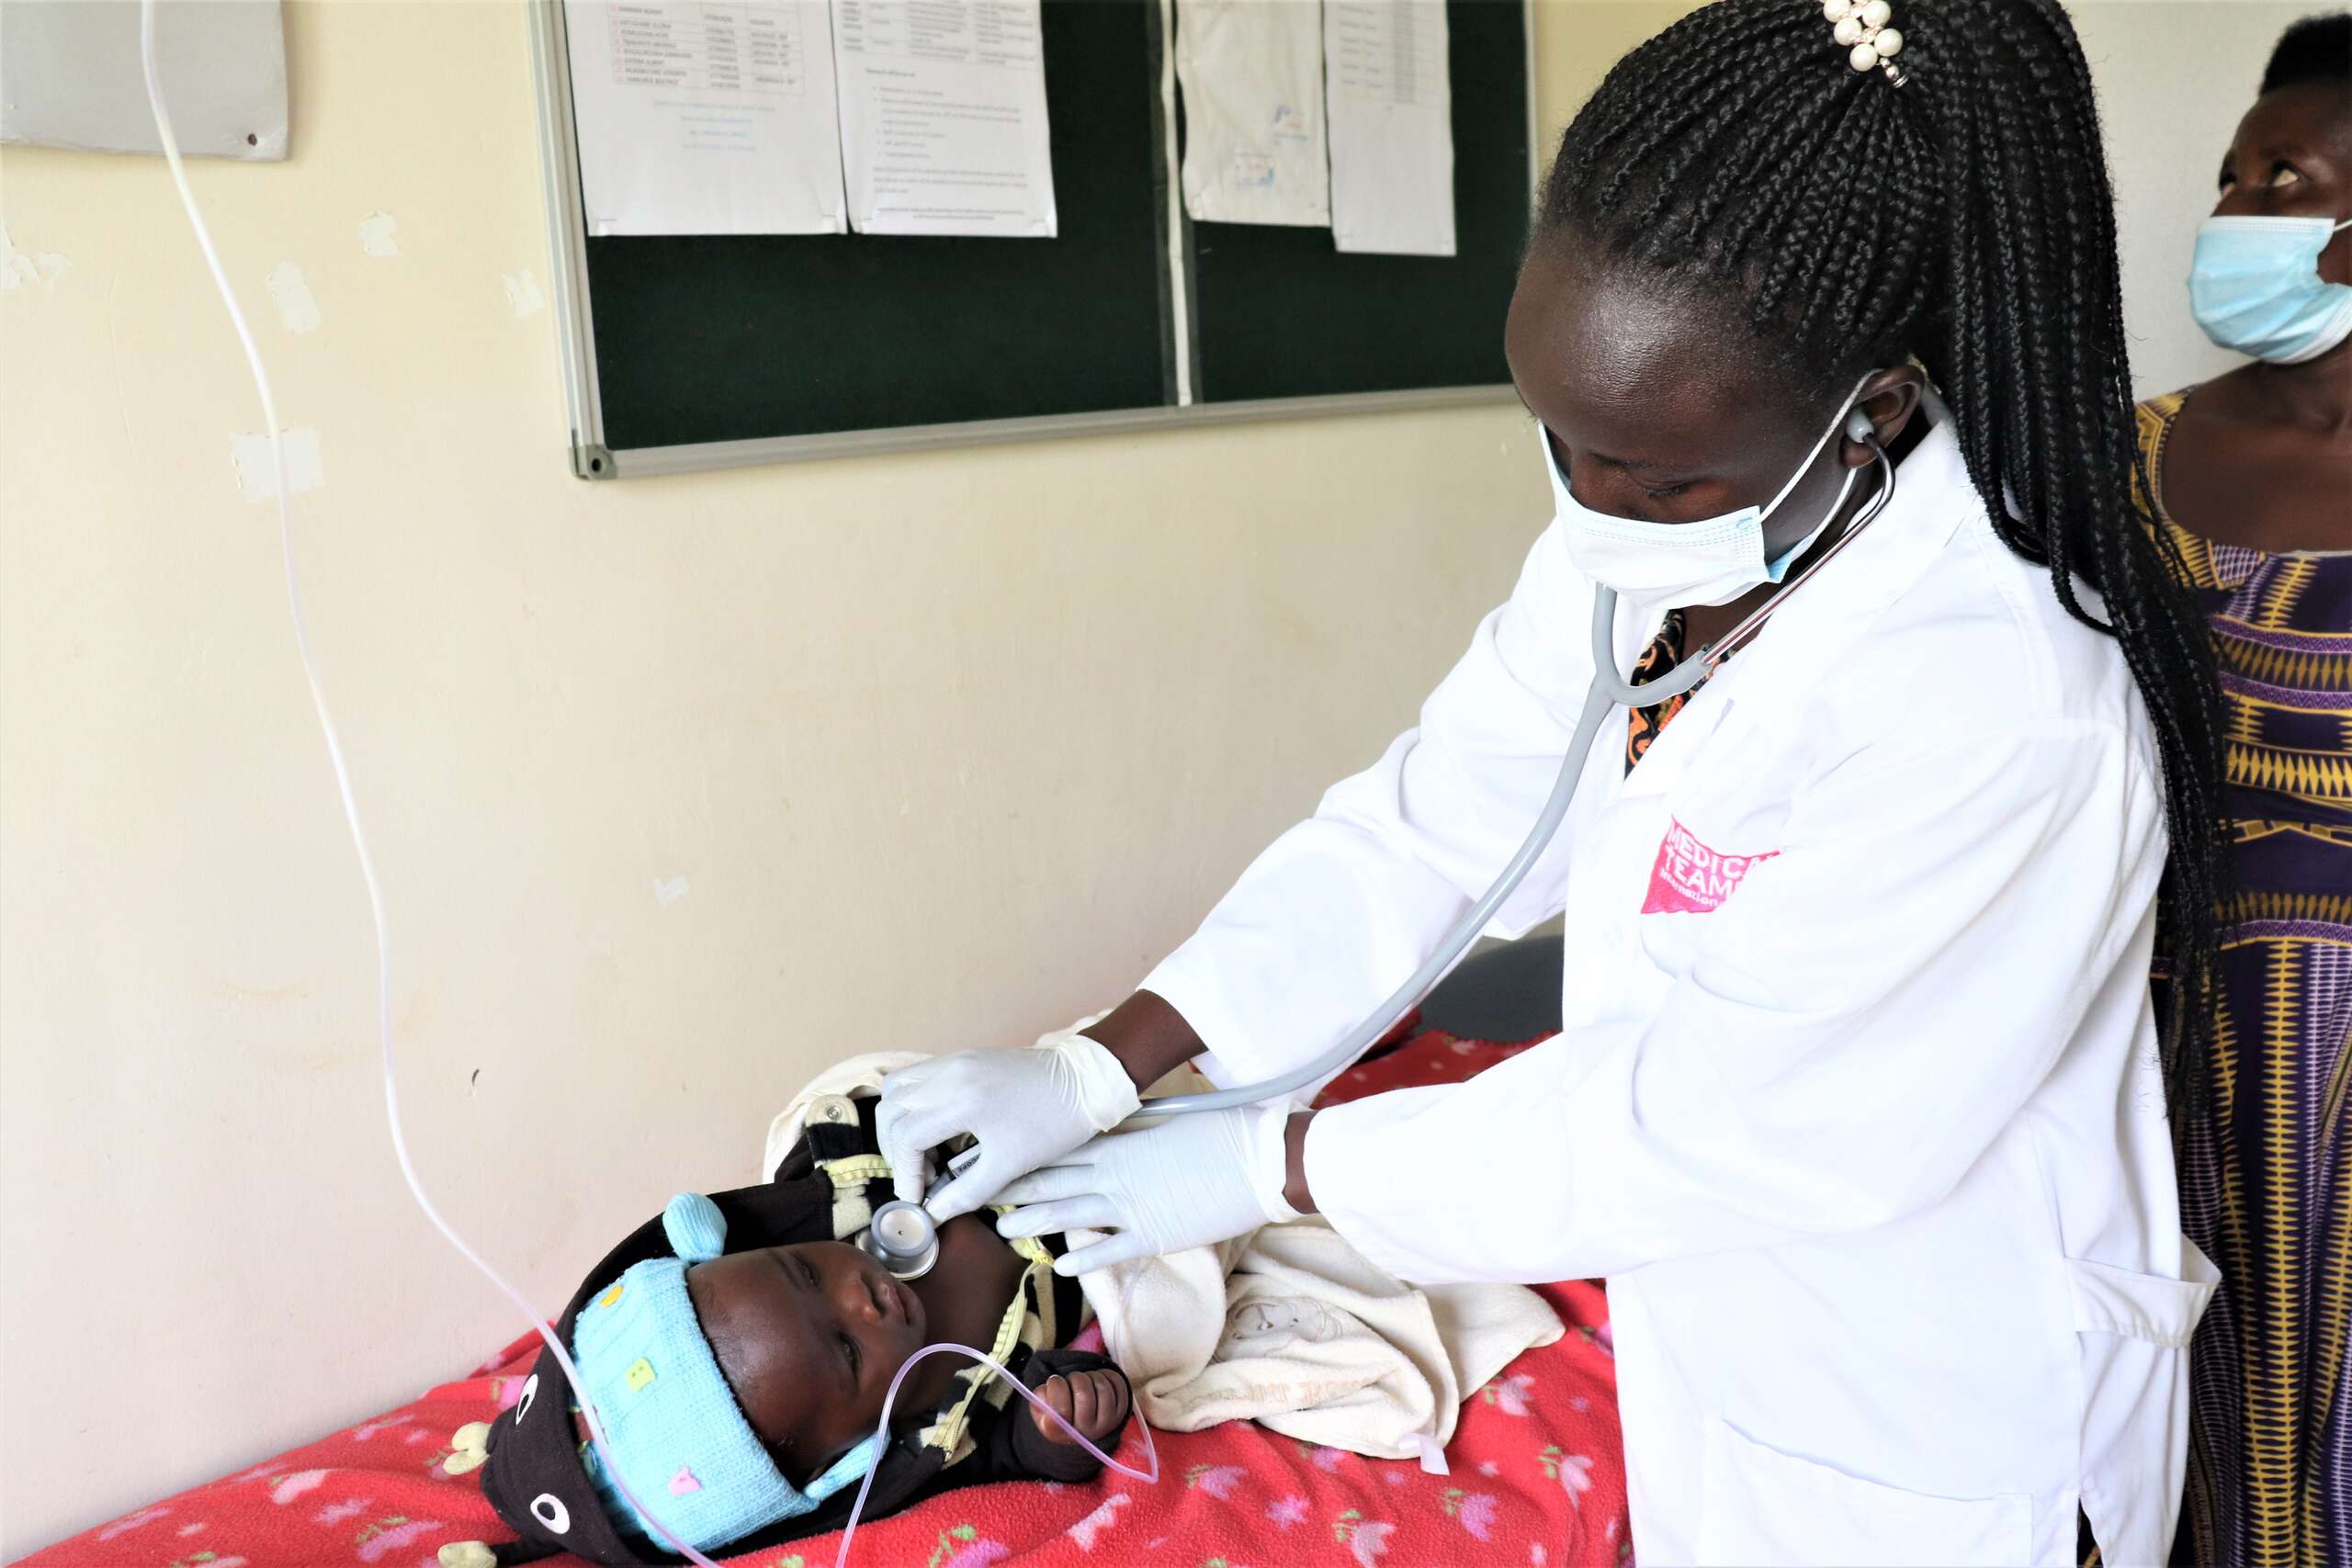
670	890
524	294
378	234
20	268
257	475
296	308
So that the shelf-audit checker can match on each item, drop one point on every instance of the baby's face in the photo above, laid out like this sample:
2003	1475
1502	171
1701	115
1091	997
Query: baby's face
809	1337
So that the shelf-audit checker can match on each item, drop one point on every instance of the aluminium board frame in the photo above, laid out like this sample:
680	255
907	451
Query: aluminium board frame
591	458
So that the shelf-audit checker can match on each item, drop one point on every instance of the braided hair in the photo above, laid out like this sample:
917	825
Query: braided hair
1962	219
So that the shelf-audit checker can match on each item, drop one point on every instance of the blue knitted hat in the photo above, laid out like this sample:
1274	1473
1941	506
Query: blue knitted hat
677	1436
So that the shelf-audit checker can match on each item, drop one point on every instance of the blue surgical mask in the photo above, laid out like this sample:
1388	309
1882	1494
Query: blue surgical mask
2255	287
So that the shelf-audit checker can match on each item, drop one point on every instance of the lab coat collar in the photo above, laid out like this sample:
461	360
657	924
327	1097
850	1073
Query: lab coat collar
1818	624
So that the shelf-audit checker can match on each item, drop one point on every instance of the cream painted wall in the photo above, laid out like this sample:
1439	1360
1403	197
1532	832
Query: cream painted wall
680	787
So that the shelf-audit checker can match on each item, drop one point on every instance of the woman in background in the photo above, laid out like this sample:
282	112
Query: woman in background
2251	482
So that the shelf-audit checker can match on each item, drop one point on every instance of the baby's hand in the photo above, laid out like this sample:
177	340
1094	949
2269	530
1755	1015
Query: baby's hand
1094	1402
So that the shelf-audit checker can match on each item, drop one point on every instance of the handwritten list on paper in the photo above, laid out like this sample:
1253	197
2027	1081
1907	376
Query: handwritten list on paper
705	118
1391	115
942	117
1252	76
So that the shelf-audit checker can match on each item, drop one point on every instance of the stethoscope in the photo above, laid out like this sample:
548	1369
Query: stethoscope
905	1239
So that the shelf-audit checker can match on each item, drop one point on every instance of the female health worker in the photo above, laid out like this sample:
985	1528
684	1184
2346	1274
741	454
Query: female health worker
1858	1103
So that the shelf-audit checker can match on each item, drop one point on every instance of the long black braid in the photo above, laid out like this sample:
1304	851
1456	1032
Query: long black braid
1964	219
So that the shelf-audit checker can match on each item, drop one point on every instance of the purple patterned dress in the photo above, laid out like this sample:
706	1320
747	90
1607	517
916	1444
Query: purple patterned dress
2265	1168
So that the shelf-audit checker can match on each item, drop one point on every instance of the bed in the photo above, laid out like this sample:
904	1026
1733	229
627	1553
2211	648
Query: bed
1536	1474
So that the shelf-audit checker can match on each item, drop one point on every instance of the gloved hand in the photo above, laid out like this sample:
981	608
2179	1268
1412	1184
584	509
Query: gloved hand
1024	1107
1189	1181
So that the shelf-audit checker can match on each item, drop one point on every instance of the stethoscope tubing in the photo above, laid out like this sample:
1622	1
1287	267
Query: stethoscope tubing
1607	693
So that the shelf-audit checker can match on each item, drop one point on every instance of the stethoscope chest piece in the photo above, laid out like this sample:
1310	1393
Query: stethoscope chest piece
903	1238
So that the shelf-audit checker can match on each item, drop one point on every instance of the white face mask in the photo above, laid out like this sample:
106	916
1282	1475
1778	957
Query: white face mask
1711	561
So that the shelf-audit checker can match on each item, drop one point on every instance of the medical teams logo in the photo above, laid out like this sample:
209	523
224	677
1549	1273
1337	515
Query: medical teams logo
1689	878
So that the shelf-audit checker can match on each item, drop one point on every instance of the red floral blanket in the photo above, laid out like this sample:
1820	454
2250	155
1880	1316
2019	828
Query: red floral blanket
1537	1475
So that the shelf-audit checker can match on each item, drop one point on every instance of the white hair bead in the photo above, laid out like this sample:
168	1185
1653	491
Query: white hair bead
1860	28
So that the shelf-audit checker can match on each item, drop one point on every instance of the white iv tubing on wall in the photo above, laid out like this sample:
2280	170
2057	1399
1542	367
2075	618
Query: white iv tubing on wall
343	782
375	890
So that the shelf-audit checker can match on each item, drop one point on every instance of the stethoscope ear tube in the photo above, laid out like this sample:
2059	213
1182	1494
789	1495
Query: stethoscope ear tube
1607	693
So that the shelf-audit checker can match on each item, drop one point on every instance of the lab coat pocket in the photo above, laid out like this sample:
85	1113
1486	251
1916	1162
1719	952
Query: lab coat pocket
2134	1330
1763	1507
2163	1312
1698	860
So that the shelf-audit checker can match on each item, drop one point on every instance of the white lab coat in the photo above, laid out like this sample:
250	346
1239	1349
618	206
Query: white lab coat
1857	1103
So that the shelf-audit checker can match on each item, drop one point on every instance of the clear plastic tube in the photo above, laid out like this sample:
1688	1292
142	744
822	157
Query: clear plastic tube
882	1430
350	804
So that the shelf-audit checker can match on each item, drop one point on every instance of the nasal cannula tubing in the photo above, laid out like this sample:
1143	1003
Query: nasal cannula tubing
383	930
350	804
1151	1450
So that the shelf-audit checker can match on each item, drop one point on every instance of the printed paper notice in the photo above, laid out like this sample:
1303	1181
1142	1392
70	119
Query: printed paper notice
705	118
1392	126
943	107
1253	74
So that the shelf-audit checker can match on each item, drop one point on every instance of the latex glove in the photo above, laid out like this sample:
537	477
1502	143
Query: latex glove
1189	1181
1024	1106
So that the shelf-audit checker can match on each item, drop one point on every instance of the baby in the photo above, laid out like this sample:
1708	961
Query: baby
809	1334
739	1354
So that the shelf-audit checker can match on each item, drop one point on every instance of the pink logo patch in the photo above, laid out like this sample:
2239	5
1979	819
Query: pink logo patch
1689	878
683	1483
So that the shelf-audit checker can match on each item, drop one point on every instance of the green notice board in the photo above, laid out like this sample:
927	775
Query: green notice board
696	351
1280	314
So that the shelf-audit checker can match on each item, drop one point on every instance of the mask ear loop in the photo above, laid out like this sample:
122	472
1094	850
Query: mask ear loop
1732	641
1842	424
882	1429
